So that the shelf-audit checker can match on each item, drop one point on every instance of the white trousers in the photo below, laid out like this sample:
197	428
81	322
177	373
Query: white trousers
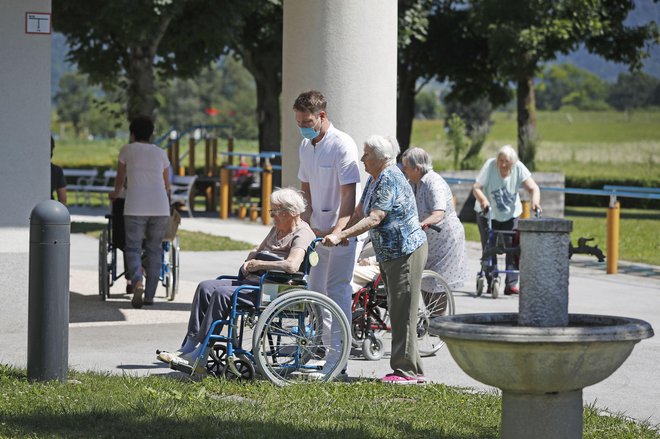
332	276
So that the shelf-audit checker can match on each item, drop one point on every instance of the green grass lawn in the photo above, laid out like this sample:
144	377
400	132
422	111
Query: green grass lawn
102	406
189	241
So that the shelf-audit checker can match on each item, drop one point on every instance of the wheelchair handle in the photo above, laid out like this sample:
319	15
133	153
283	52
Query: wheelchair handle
434	227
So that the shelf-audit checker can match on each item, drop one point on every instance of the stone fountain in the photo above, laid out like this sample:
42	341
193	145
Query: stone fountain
542	357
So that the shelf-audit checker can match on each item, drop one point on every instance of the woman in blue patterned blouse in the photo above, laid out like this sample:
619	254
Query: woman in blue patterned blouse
387	210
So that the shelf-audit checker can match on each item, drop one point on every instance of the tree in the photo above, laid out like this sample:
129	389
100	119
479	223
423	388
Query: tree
633	91
436	40
427	105
522	34
73	99
226	87
259	46
566	84
127	43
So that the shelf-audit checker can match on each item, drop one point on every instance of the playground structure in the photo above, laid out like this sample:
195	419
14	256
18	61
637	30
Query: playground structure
215	177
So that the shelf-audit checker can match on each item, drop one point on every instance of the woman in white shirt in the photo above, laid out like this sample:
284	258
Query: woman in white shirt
145	167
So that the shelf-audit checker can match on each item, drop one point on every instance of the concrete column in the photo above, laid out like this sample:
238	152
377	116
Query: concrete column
542	416
544	272
346	49
24	167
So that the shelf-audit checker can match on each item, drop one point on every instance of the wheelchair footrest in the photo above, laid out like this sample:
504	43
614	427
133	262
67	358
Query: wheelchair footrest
184	366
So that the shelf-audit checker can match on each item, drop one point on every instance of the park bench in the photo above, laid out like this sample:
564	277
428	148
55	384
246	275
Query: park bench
181	190
101	186
77	180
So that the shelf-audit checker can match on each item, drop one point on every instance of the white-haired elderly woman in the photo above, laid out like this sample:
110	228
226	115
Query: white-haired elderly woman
285	245
387	210
496	190
435	206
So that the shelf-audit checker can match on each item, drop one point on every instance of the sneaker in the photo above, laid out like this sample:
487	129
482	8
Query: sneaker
166	357
187	363
137	297
421	379
511	290
391	378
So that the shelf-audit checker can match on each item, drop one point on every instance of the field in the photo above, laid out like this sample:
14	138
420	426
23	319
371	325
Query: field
607	146
596	144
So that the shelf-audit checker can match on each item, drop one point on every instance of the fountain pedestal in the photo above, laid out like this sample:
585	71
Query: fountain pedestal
542	357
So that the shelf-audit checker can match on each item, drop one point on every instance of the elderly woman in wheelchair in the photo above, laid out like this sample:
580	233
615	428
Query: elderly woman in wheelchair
216	302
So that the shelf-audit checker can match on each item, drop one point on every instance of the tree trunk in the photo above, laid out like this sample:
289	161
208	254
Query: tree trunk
405	108
526	108
141	87
267	75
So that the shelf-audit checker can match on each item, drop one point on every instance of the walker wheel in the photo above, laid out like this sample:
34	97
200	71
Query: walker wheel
480	285
495	288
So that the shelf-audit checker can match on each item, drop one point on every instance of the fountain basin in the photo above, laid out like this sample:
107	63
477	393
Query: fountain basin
493	349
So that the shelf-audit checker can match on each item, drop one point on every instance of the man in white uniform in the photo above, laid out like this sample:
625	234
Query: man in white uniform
330	181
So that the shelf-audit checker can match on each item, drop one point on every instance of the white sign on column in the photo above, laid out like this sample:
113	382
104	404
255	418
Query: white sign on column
37	23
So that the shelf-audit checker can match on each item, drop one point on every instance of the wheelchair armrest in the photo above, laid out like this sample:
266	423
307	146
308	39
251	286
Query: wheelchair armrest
227	276
282	277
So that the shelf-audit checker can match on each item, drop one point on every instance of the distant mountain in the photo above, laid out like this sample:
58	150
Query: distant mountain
645	11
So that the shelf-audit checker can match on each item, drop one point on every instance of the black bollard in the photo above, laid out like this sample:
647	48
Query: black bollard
48	306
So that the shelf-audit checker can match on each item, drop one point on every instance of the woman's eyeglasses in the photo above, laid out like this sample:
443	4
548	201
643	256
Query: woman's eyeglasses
277	211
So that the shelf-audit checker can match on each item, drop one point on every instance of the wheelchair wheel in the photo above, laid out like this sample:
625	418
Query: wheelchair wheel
432	305
216	363
171	277
243	366
288	345
372	348
104	272
362	327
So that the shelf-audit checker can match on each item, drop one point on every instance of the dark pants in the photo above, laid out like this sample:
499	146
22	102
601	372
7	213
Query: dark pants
510	260
212	302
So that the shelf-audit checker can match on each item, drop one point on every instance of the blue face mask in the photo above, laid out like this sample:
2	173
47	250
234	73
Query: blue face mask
308	132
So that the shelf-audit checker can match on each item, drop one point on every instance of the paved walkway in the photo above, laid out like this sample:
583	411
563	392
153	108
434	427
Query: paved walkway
113	337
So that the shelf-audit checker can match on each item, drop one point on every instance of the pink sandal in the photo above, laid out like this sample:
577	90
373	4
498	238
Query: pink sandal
392	378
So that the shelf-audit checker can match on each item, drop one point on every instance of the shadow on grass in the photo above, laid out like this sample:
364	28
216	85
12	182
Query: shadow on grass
111	422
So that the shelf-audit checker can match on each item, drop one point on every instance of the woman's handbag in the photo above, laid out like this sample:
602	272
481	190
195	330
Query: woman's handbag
172	225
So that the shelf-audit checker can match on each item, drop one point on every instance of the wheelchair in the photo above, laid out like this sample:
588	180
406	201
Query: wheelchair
371	318
108	272
282	338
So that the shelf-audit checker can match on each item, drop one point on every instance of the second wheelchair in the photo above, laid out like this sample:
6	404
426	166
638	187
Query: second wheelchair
371	320
109	243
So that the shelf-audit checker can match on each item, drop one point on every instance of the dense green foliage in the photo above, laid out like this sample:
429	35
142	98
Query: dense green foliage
95	405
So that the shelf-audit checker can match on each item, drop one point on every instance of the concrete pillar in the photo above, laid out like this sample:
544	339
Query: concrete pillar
24	167
346	49
544	272
542	415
